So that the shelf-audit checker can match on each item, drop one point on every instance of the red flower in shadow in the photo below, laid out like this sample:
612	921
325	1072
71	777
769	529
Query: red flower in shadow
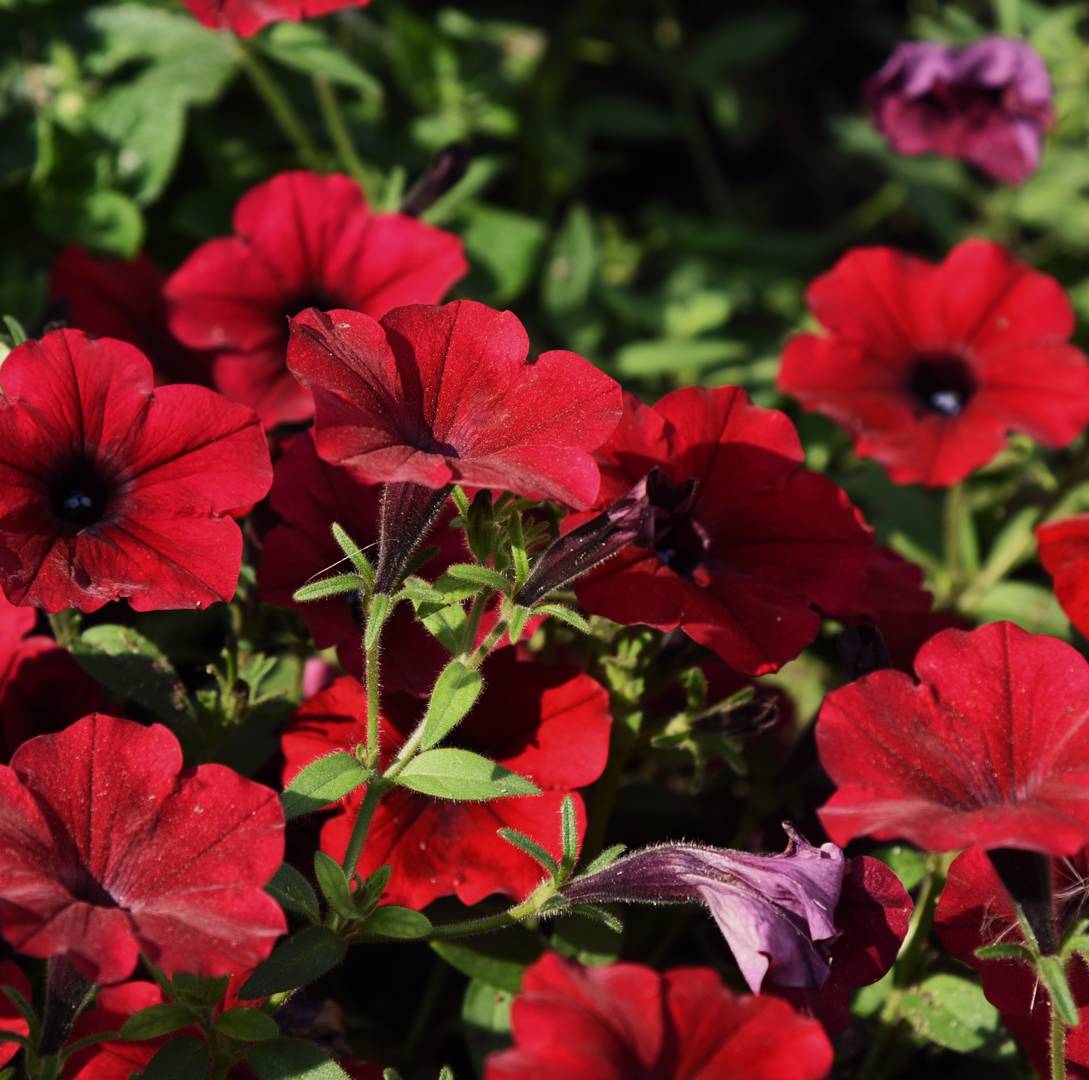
246	17
301	240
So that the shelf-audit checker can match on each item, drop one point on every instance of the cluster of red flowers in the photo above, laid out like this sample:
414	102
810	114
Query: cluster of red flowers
136	450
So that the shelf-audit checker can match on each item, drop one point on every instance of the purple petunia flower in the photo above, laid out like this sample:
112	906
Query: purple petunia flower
988	103
775	911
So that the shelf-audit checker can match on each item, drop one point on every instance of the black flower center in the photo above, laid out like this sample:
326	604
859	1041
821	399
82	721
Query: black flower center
83	885
942	384
676	537
80	494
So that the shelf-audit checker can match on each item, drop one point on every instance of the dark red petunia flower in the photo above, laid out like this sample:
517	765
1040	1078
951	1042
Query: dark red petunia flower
437	395
309	494
629	1022
123	298
111	488
898	606
747	543
246	17
543	722
10	1018
975	910
1064	552
987	749
42	689
108	848
872	918
930	366
301	240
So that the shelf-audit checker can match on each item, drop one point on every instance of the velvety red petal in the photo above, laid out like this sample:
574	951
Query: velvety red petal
246	17
1064	552
985	750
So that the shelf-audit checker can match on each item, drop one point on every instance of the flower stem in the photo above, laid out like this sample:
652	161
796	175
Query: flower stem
279	105
480	653
953	524
1057	1046
372	684
375	790
337	130
501	920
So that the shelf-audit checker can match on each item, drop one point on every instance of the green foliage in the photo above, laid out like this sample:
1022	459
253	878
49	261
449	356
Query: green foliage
462	775
322	782
296	961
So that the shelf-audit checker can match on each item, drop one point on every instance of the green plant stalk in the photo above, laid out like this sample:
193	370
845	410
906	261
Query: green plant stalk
953	516
337	130
279	105
1057	1045
372	688
375	790
480	654
527	909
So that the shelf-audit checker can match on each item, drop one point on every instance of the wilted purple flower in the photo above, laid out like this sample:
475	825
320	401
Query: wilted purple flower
575	553
775	911
988	103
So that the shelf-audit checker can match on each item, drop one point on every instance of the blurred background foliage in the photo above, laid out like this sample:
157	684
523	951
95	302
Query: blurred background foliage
652	183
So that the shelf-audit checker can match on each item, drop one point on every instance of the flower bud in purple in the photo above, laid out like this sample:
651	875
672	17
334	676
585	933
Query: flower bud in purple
776	912
988	103
575	553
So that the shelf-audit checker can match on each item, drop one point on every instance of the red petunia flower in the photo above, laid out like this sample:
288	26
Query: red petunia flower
975	910
309	494
108	848
987	749
930	366
872	918
118	1059
123	298
437	395
543	722
1064	552
747	543
246	17
301	240
112	489
42	689
11	1019
628	1022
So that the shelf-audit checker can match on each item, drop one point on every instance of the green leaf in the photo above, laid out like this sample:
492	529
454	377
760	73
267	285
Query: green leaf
570	837
565	615
322	782
104	220
331	586
1033	607
497	959
645	359
571	265
478	575
134	669
606	858
293	892
156	1020
293	1059
305	48
517	618
180	1059
951	1011
367	894
531	848
455	693
333	883
586	940
378	611
485	1016
296	961
599	915
504	246
399	923
364	567
462	775
15	329
247	1025
178	64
